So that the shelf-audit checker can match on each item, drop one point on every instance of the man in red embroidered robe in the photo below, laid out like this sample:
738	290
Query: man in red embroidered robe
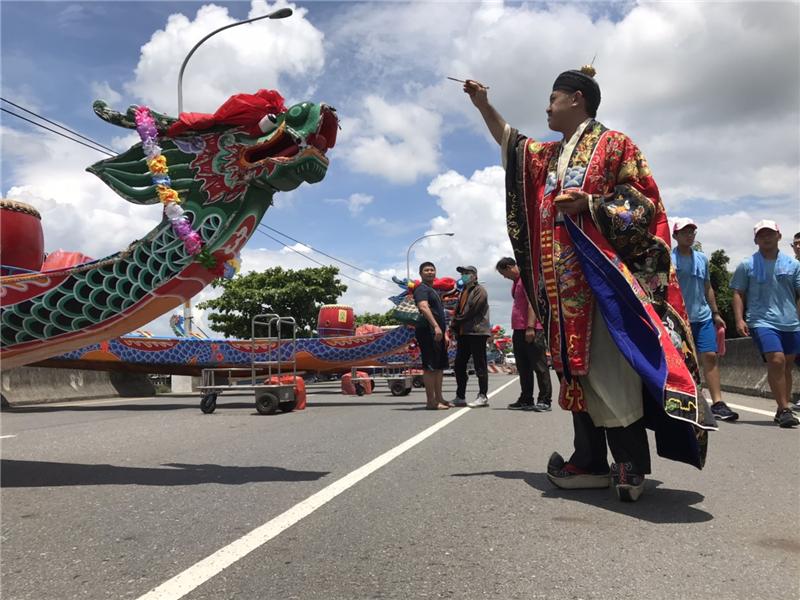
592	241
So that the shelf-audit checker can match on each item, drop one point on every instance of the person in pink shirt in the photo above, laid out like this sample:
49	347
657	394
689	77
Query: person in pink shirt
530	345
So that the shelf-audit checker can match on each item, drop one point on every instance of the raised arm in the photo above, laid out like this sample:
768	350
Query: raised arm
480	98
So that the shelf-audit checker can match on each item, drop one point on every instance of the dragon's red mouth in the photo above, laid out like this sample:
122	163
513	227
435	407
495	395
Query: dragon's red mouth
325	138
282	146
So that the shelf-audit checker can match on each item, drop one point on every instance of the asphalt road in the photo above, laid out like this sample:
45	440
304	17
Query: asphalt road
152	499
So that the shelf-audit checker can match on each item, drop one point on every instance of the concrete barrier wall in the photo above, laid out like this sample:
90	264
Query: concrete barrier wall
27	385
743	371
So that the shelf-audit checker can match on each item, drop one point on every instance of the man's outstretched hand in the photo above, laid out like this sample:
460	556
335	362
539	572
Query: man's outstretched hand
477	93
572	202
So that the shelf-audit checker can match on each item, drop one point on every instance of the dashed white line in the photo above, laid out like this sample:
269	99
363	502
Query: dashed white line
2	437
200	572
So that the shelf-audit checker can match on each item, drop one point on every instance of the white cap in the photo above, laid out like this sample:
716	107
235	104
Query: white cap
765	224
683	222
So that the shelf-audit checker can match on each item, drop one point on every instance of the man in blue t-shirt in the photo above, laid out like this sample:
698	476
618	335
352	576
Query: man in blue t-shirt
768	283
430	337
701	306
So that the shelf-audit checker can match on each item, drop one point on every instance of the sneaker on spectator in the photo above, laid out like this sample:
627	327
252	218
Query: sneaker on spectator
520	404
722	412
567	476
784	418
795	406
627	482
542	406
480	401
458	401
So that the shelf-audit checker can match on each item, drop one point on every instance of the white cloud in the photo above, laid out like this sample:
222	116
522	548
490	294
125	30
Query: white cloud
399	142
709	91
265	54
355	203
123	142
102	90
301	248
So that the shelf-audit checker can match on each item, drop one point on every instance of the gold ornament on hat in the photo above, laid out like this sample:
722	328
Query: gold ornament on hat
589	69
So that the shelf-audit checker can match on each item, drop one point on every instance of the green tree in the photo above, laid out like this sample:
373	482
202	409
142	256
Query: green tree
376	319
287	292
720	282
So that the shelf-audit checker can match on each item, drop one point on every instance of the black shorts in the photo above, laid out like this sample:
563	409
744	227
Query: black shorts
433	353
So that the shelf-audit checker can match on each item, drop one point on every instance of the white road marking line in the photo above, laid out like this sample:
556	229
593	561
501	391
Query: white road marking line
200	572
757	411
2	437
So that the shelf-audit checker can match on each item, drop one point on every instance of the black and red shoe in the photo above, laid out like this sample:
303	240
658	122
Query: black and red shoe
628	483
567	476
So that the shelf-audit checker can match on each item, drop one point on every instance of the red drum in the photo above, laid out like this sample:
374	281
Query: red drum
21	238
336	320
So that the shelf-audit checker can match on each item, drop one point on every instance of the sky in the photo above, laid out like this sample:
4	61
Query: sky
709	91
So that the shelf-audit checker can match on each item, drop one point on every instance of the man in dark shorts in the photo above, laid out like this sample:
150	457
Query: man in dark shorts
430	337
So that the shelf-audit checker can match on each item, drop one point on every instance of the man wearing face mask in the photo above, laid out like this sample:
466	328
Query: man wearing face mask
470	327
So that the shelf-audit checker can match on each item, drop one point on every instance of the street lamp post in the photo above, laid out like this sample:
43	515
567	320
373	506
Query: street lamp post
281	13
408	253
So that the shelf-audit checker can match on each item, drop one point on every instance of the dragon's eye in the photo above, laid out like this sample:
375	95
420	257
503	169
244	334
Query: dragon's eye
297	114
268	123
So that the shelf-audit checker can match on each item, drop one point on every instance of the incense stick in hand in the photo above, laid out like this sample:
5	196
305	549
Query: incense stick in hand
462	81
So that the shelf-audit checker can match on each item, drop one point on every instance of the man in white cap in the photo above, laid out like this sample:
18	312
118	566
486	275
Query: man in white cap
701	307
768	284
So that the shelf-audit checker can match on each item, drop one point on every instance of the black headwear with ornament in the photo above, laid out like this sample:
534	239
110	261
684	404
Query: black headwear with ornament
581	80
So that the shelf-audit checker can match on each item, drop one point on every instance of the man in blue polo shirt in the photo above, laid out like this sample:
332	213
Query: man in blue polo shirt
701	306
768	283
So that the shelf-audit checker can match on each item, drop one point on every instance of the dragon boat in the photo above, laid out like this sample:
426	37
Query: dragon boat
189	355
224	170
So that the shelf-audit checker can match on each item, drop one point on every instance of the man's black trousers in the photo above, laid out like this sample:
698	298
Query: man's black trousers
474	346
627	444
531	357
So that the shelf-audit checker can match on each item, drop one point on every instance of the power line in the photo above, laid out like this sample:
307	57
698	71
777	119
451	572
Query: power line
56	132
321	263
339	260
30	112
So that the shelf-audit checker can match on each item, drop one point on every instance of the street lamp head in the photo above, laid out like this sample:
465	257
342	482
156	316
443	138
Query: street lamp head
281	13
450	234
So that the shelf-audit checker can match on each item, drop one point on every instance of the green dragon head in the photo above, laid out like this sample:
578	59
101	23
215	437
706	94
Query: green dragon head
220	163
